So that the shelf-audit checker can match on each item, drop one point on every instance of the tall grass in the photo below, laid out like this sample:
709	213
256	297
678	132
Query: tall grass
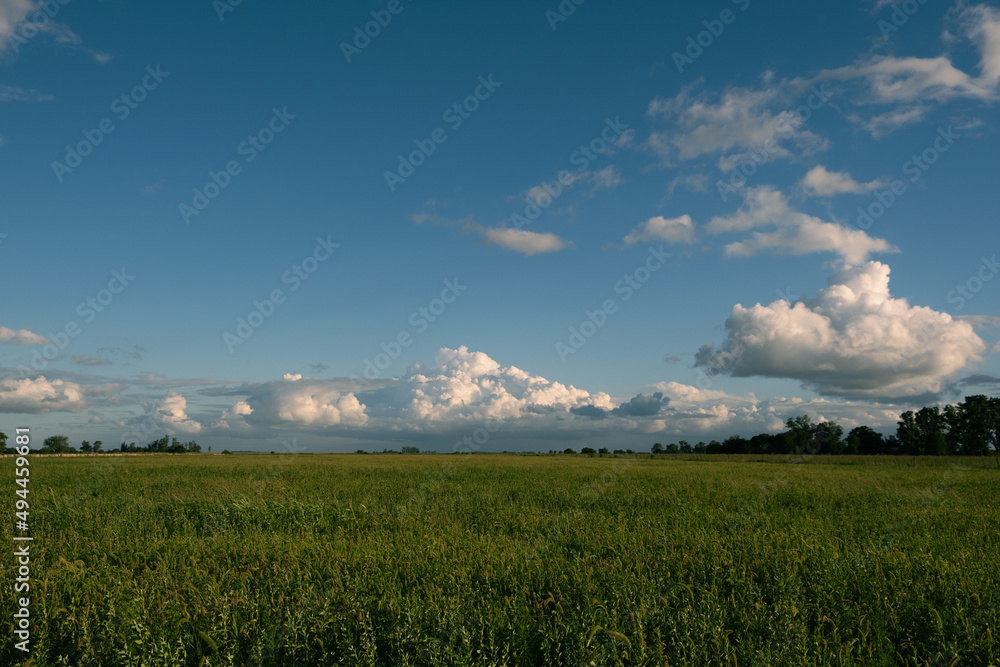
450	560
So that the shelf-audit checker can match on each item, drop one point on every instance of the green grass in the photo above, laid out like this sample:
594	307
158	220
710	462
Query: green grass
507	560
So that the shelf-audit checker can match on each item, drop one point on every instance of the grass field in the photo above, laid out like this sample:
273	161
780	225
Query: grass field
509	560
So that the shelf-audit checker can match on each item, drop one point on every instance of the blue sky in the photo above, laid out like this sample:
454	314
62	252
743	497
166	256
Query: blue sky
699	266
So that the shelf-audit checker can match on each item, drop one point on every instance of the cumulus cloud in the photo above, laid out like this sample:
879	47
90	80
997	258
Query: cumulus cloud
462	388
172	412
39	396
233	417
674	230
822	182
468	385
853	339
796	234
21	337
641	405
524	241
300	402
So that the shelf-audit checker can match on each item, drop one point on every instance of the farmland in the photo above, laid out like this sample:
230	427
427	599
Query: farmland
511	560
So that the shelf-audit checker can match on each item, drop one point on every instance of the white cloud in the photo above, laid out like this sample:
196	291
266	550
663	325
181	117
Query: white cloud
854	339
15	94
911	82
233	417
704	412
21	337
463	388
291	377
890	79
544	193
470	386
674	230
39	395
317	403
797	233
825	183
172	412
982	24
523	241
12	12
609	177
890	121
742	119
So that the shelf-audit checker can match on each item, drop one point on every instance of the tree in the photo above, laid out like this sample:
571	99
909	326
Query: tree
194	448
588	450
908	434
783	443
56	444
700	448
735	444
411	450
657	448
684	447
760	444
828	438
864	440
3	444
931	439
672	448
569	450
97	446
86	447
977	425
801	428
602	451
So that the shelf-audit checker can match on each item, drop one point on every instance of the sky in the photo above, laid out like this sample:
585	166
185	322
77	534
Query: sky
493	226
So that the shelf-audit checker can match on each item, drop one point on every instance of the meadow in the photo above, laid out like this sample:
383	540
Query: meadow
509	560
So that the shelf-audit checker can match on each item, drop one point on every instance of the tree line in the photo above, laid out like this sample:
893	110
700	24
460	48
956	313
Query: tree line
59	444
969	428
